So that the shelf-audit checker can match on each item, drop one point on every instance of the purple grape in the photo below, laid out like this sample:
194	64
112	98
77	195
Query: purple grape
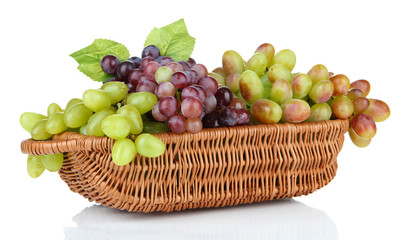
201	92
150	70
157	115
146	86
164	60
184	65
211	120
191	107
177	123
193	125
168	106
180	80
191	62
200	69
176	67
243	117
228	117
189	91
124	68
145	61
151	51
209	84
114	79
194	76
109	64
136	61
210	104
224	96
165	89
134	76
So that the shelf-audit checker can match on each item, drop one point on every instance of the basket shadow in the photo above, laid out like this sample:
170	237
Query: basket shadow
279	219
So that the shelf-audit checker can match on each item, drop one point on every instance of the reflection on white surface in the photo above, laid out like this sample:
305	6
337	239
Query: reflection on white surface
281	219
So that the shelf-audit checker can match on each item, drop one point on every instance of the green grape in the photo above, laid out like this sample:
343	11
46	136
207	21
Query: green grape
320	112
286	57
219	78
154	127
29	119
53	108
358	141
163	74
93	127
136	122
378	110
38	131
123	152
35	168
143	101
116	90
257	63
321	91
301	85
116	126
233	82
251	87
318	72
278	71
341	84
149	145
266	111
77	115
268	50
96	99
52	162
232	62
72	102
354	93
265	80
342	107
83	130
221	71
56	123
281	91
295	111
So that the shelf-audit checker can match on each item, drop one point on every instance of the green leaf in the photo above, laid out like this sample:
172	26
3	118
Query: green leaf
173	40
89	58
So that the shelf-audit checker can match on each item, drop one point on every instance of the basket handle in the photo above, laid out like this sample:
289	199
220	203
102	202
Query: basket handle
61	143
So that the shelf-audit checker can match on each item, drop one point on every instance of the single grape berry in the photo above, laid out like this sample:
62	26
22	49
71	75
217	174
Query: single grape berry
109	64
136	61
211	120
124	68
228	117
224	96
151	51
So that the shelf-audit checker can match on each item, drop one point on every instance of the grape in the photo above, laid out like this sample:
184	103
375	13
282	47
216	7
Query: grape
301	85
145	61
363	125
116	126
164	60
72	102
177	123
123	152
295	111
180	80
52	162
251	87
320	112
53	108
93	127
278	71
257	63
149	145
193	125
150	70
341	84
155	127
211	120
157	115
223	96
318	72
191	91
109	64
378	110
38	131
96	99
191	62
151	51
192	77
209	84
201	92
77	115
358	141
135	119
286	57
268	50
210	104
168	106
191	107
361	104
233	82
165	89
266	111
321	91
363	85
55	123
185	65
200	69
219	78
116	90
134	76
114	79
228	117
83	130
281	91
124	68
176	67
136	61
232	62
146	86
243	117
354	93
163	74
143	101
221	71
237	103
342	107
35	167
29	119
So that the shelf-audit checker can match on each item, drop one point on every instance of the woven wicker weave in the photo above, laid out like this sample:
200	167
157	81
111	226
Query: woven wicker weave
214	168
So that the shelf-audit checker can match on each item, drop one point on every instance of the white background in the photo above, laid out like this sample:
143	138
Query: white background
362	39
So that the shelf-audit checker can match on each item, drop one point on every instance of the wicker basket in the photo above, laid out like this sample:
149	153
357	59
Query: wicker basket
214	168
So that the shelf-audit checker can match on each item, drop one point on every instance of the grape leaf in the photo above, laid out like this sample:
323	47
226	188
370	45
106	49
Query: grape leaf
89	58
173	40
